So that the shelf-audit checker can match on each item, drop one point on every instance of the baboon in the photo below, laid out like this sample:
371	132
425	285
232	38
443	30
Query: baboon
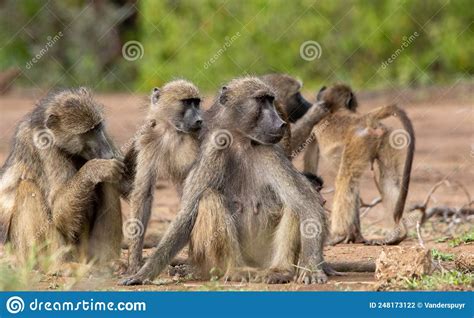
166	148
294	109
239	159
59	182
352	141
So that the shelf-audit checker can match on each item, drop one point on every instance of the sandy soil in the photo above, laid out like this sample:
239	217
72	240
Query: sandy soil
443	120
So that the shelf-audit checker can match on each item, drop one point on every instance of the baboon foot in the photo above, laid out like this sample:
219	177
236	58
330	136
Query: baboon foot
313	277
352	237
135	280
390	240
241	275
276	276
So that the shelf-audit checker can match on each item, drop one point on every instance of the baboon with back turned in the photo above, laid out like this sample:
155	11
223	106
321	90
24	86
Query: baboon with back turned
59	183
239	159
166	148
351	142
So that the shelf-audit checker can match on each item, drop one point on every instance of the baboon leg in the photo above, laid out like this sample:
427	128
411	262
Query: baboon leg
345	222
311	158
389	182
286	245
30	225
214	246
106	232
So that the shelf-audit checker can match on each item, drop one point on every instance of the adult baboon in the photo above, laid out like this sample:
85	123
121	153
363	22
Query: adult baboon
353	141
239	159
294	109
166	148
59	182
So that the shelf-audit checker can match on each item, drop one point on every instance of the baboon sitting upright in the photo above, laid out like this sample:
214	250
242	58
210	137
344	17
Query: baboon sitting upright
59	183
352	142
166	148
239	159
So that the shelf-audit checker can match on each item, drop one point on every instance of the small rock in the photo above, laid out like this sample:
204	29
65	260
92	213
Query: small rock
395	263
465	262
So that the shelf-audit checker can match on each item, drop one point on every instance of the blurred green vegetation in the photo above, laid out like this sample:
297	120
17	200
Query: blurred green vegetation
212	41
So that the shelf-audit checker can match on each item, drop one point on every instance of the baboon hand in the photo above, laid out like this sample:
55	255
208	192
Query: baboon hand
313	277
105	170
135	280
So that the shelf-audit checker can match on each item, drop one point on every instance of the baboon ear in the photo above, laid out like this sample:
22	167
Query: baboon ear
223	97
319	96
351	102
51	121
155	95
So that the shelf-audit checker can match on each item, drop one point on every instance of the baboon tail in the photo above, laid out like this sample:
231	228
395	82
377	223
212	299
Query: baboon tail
408	126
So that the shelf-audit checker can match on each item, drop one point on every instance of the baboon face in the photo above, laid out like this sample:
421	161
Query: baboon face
191	115
296	106
288	89
76	124
180	103
338	96
250	104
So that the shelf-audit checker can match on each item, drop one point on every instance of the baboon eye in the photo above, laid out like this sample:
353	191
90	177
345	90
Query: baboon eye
98	127
188	102
264	98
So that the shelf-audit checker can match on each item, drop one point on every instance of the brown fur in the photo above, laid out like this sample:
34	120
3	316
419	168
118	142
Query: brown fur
62	194
352	142
295	109
161	151
230	236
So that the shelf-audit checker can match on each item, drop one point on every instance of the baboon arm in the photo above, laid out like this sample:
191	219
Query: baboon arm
200	178
141	200
299	196
69	202
301	130
130	161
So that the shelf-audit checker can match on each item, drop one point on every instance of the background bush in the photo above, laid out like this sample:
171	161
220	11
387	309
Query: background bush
180	37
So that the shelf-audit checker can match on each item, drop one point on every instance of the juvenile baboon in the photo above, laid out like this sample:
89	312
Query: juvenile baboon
59	182
294	109
239	159
166	148
351	142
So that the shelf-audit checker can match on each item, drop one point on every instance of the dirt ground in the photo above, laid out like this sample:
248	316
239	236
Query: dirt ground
443	121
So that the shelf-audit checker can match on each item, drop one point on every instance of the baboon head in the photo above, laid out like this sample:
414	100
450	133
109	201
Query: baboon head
76	123
287	90
338	96
247	106
178	104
